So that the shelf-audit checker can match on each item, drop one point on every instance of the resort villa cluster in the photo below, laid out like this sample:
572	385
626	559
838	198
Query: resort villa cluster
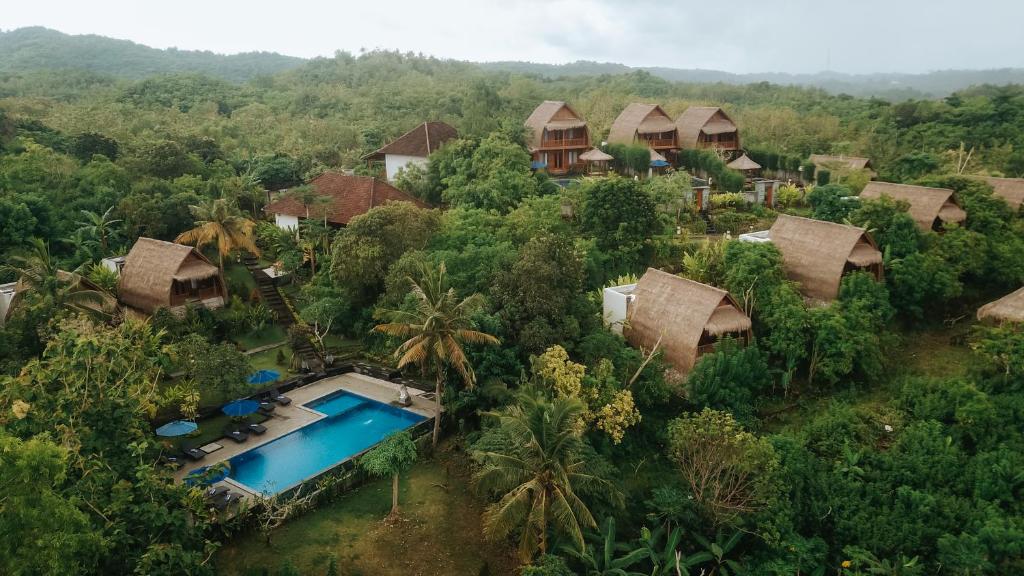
291	430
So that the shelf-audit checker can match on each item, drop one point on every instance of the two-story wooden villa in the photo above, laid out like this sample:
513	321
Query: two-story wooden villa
707	127
646	124
557	137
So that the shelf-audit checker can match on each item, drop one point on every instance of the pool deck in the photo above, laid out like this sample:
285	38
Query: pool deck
287	419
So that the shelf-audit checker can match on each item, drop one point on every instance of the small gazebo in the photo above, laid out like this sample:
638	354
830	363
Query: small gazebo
597	161
744	164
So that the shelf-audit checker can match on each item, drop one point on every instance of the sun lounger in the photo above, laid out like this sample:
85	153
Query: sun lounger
226	500
236	435
215	492
171	461
194	454
256	429
280	398
266	408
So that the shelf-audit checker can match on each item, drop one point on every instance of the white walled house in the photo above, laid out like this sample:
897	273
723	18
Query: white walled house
413	147
286	221
6	296
395	162
114	264
615	306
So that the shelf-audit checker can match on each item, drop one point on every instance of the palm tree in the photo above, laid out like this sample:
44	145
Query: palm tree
435	332
537	473
100	227
37	272
220	222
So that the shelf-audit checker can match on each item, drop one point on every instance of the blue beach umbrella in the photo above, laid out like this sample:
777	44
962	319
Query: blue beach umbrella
658	163
264	377
207	475
176	428
538	164
240	408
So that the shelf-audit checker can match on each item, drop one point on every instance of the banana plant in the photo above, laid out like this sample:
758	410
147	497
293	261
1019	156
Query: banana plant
666	558
601	560
719	549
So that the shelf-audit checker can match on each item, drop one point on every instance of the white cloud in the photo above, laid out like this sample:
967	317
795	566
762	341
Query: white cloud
738	36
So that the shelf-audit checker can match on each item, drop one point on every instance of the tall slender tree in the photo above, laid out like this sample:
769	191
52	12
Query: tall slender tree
103	228
220	222
536	473
435	332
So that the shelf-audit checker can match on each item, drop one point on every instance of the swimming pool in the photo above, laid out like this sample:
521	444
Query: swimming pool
353	424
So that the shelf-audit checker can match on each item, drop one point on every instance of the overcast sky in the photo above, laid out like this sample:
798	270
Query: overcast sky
854	36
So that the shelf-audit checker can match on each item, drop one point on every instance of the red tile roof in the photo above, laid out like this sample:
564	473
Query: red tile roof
350	197
420	141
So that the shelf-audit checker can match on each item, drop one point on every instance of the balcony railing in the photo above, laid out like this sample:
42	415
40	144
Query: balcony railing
660	142
196	295
564	143
723	144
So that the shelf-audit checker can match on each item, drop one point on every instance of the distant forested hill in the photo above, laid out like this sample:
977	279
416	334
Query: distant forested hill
36	48
890	86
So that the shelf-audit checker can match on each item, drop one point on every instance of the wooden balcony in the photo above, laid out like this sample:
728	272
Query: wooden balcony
722	145
196	295
564	143
661	142
577	168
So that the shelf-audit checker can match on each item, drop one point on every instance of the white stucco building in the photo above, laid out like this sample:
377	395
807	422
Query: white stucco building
413	147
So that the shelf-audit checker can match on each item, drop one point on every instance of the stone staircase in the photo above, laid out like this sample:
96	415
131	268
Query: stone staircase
710	225
273	299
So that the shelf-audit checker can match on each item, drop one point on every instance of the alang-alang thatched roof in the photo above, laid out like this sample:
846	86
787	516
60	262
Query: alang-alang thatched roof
152	267
1009	189
639	119
1009	308
815	253
550	115
840	162
710	120
678	312
926	204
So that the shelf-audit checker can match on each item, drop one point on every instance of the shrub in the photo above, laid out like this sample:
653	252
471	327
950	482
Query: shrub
729	379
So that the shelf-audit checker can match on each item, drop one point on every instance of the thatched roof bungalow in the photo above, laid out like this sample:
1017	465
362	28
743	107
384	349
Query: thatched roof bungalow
645	124
158	274
684	318
348	197
707	127
1009	308
840	162
557	137
929	207
413	147
1009	189
817	254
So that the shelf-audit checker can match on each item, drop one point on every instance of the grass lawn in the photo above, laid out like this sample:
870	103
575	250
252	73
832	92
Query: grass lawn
237	275
270	334
268	360
438	534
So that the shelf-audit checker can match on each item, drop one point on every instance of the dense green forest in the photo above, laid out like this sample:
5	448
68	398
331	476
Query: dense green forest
30	49
37	48
882	434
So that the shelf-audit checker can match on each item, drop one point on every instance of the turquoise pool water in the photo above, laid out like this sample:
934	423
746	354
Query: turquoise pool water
353	424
